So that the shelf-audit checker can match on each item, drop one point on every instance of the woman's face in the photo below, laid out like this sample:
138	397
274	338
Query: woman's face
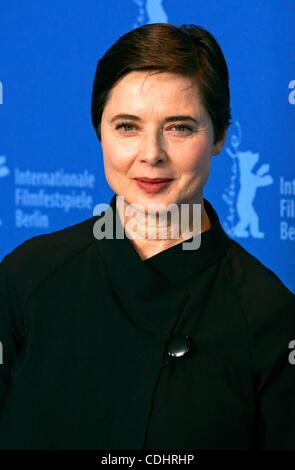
154	126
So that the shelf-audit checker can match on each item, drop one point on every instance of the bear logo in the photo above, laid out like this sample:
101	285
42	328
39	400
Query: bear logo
250	181
4	170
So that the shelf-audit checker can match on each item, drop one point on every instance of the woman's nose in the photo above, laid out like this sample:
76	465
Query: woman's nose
152	148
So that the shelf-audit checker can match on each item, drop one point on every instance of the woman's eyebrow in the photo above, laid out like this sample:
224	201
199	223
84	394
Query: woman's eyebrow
167	119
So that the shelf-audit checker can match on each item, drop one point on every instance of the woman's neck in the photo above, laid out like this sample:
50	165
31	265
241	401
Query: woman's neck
151	234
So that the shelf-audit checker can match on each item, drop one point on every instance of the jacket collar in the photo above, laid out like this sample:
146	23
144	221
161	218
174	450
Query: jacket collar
153	291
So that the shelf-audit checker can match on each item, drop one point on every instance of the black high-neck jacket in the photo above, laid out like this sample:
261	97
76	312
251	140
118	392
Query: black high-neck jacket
88	330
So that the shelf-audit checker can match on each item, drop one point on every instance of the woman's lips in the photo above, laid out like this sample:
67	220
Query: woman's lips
153	186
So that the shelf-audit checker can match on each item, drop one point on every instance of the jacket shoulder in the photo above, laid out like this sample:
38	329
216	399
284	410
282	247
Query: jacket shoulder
37	258
250	273
253	280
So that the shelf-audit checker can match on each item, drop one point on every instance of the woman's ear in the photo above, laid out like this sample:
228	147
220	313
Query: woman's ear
218	146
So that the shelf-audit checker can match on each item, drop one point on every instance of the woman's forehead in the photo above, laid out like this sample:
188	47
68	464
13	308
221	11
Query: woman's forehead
144	81
161	90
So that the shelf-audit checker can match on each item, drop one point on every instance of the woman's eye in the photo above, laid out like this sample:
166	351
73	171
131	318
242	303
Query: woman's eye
182	127
124	125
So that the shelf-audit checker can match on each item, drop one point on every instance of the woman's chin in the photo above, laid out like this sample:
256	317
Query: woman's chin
155	202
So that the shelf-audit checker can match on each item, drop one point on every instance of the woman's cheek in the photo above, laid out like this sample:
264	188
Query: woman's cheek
195	162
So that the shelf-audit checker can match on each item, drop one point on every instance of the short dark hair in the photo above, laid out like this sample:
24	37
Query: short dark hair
188	50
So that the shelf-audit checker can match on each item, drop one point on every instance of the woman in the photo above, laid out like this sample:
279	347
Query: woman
134	342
